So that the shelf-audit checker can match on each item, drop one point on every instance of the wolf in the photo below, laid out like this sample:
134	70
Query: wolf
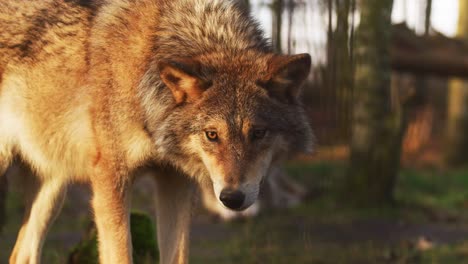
102	91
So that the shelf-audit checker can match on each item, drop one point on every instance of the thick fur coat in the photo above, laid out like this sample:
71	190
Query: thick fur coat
98	91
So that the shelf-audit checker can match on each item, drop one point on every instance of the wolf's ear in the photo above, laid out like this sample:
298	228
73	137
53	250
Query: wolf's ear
183	79
286	76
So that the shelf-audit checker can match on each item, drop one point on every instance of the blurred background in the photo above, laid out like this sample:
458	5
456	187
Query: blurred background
387	98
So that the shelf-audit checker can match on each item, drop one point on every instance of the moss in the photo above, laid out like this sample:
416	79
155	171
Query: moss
143	240
86	251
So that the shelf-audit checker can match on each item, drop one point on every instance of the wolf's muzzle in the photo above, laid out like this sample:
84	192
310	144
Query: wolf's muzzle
232	199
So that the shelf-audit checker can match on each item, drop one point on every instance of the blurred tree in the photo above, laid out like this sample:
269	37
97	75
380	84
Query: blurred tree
3	192
420	102
343	67
457	126
290	9
339	73
377	129
427	21
277	7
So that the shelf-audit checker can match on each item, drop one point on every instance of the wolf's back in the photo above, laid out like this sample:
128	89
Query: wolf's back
193	27
32	30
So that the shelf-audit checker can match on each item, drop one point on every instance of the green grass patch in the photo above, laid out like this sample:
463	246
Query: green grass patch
437	189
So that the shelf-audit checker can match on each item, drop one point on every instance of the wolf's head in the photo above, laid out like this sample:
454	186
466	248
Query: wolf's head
231	118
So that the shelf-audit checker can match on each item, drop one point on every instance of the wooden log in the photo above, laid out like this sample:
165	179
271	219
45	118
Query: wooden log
434	55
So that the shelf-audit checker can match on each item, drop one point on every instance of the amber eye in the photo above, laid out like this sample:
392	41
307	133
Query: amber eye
211	135
259	133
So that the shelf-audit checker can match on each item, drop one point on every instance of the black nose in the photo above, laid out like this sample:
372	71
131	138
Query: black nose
232	199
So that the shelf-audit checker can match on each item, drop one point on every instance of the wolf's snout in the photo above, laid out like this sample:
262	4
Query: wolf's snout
232	199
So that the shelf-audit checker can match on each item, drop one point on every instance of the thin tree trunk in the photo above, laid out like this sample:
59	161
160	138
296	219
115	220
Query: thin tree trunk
376	132
420	96
277	8
3	193
343	66
351	34
457	126
427	22
330	71
291	7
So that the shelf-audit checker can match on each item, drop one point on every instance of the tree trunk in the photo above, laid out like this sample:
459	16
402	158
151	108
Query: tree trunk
427	21
377	128
3	194
290	8
277	8
457	121
331	90
344	77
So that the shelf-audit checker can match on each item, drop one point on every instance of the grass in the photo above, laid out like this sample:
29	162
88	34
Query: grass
323	230
437	189
429	203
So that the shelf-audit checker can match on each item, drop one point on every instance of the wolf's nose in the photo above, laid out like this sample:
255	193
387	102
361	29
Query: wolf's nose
232	199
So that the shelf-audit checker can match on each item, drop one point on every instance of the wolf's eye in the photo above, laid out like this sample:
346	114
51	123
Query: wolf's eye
211	135
259	133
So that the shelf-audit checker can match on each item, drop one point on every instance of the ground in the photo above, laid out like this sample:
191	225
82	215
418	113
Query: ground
427	224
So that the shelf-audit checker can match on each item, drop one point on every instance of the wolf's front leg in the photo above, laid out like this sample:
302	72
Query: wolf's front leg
111	210
45	200
174	195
